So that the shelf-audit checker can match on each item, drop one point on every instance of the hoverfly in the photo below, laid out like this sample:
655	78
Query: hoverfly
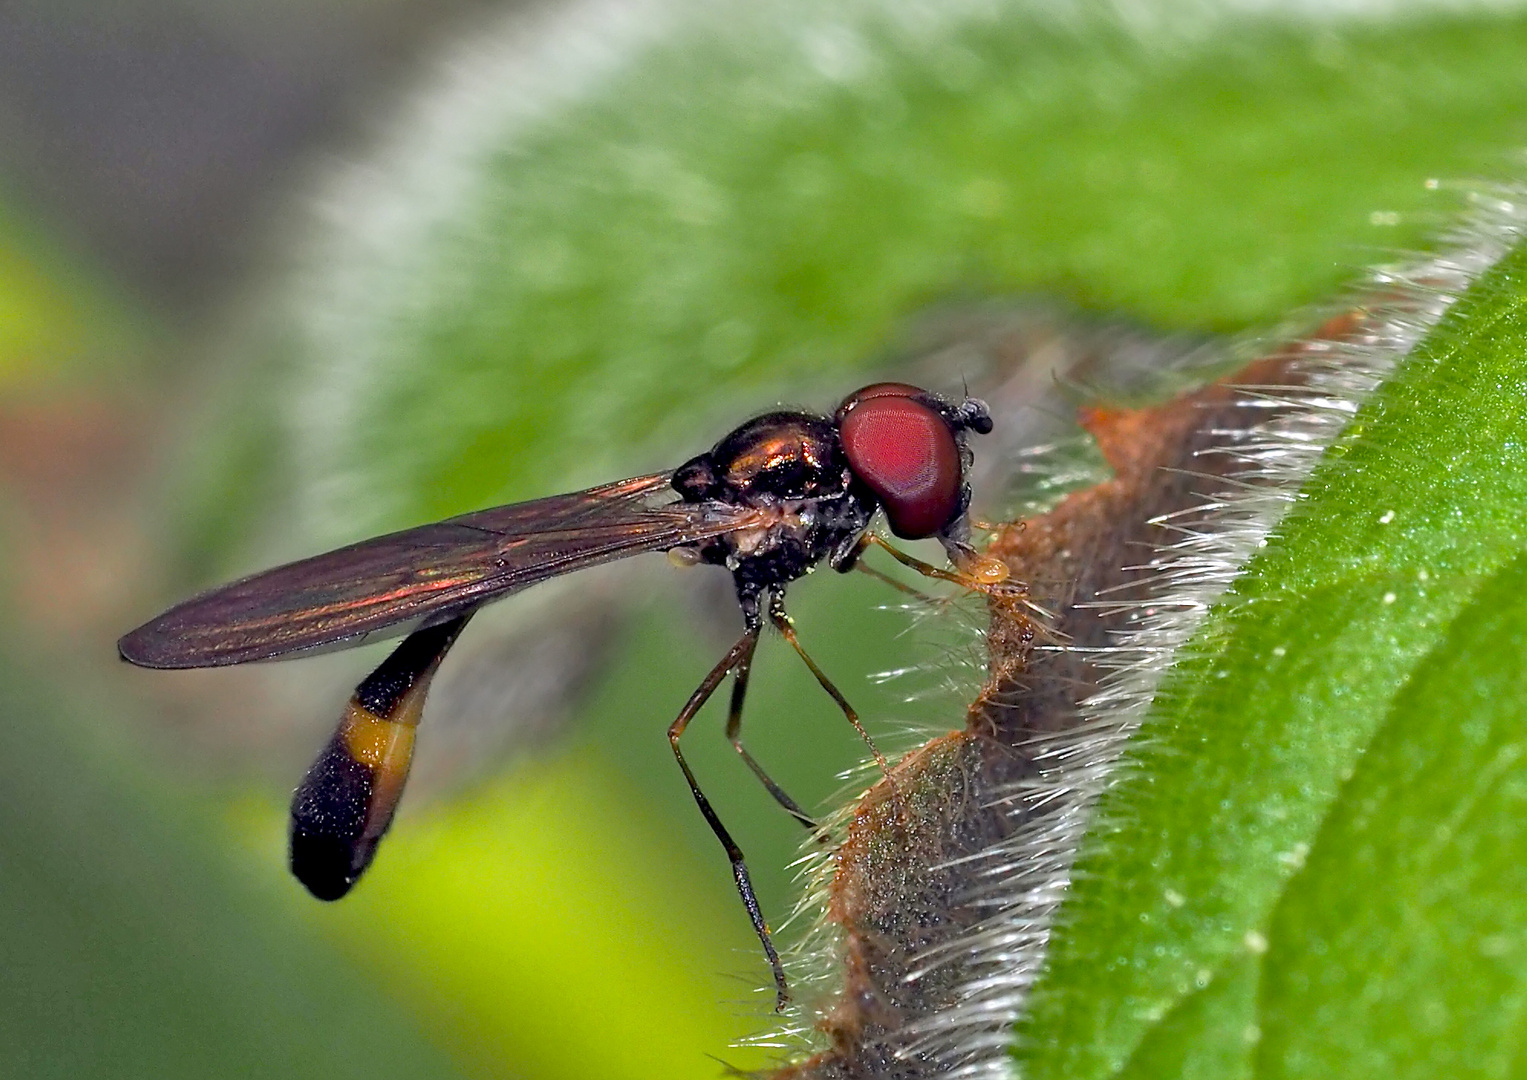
779	495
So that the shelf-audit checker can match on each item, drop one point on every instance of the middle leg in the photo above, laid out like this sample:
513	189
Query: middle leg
743	648
782	622
740	674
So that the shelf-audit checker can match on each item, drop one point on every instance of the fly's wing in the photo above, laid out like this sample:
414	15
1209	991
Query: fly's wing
423	574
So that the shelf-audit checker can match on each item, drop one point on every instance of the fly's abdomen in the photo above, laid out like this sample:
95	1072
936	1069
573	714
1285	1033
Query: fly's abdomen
347	800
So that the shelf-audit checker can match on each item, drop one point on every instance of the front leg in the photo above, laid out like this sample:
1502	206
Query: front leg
845	556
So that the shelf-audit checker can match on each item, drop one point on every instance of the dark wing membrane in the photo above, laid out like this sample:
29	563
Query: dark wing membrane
433	570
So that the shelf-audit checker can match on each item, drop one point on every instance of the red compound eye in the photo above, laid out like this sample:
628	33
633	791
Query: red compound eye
876	390
905	453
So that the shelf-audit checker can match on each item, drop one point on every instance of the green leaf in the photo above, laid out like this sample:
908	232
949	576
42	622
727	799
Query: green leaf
1402	949
754	205
1314	865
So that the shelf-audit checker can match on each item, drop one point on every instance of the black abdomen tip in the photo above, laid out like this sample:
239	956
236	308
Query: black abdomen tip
329	846
323	863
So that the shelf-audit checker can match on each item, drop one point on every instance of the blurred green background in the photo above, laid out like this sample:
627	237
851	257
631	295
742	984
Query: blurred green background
274	277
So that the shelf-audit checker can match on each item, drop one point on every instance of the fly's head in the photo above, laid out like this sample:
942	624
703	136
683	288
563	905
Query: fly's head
909	447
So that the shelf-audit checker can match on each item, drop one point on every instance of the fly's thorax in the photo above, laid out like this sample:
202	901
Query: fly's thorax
793	537
780	456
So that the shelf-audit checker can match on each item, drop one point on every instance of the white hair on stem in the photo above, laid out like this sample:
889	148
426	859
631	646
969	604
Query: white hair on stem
1010	892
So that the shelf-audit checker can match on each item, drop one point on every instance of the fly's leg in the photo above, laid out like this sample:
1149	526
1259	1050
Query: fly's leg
887	579
979	572
739	654
742	669
786	628
848	557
